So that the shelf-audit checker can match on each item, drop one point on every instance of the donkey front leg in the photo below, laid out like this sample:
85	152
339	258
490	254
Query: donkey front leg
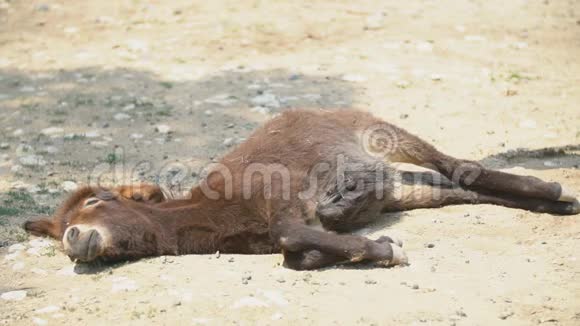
296	237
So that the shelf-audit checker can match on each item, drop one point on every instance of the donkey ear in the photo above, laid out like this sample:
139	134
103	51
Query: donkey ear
41	227
143	193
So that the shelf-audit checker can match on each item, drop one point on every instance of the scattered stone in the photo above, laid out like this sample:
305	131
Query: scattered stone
52	131
404	116
121	116
424	46
92	134
528	124
4	146
511	92
13	295
415	286
429	245
231	260
369	281
49	150
436	77
505	315
163	129
375	21
18	132
267	100
550	164
123	284
34	251
461	313
71	30
99	143
42	7
281	280
275	297
246	279
136	136
249	302
12	256
519	45
260	109
18	266
40	243
66	271
228	141
217	254
69	186
137	46
47	310
221	99
39	271
403	84
16	247
32	161
354	78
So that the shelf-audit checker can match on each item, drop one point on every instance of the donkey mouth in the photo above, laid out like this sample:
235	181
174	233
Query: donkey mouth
86	246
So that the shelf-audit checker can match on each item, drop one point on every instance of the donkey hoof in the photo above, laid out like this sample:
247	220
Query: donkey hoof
573	208
390	239
399	258
567	195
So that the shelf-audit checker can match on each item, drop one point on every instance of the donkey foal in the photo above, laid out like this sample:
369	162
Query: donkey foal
298	186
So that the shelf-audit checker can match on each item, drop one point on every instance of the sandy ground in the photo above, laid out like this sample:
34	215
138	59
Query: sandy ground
123	91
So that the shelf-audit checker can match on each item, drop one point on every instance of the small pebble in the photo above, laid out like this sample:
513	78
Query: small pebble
163	129
506	315
13	295
121	116
52	131
69	186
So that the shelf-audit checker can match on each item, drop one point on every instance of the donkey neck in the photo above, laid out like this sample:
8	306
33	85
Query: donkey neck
193	227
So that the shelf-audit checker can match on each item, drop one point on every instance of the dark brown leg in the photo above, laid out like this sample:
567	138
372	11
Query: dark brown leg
404	147
297	239
414	196
346	208
315	259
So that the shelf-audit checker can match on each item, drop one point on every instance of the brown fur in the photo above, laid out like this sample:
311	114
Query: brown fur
130	222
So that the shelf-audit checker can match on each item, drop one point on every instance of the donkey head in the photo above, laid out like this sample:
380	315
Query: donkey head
100	223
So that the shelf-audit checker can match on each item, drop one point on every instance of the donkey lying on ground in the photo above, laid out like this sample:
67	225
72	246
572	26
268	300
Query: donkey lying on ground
296	186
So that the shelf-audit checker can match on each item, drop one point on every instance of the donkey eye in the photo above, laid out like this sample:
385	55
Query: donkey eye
91	201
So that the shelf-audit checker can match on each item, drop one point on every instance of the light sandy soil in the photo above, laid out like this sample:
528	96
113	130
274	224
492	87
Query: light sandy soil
476	78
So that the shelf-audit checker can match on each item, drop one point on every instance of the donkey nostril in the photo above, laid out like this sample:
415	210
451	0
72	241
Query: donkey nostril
72	234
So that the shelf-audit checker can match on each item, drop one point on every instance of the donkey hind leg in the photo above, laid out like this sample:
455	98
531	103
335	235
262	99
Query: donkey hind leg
412	196
353	207
397	145
307	248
